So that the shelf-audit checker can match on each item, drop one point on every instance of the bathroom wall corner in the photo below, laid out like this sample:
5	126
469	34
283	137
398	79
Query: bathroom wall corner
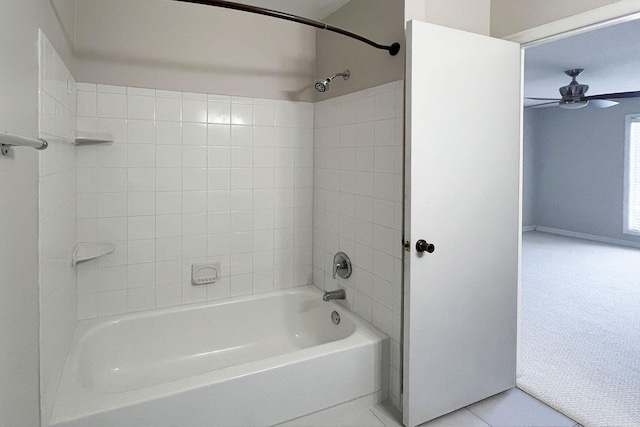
57	218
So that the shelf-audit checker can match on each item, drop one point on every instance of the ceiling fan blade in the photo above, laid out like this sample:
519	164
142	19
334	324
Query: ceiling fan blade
602	103
543	99
618	95
545	105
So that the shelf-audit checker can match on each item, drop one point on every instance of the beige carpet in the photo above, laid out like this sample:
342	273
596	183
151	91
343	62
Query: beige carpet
580	328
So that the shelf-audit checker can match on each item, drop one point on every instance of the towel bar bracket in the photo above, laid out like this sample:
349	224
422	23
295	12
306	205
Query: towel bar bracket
44	146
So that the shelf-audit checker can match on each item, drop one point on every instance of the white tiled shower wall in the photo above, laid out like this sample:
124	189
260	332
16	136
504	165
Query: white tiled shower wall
192	178
358	190
57	218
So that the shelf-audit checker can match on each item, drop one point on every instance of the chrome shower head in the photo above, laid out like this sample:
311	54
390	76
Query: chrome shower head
323	85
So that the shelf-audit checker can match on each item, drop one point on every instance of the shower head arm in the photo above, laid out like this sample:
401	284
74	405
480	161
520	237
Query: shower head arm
323	85
393	48
345	75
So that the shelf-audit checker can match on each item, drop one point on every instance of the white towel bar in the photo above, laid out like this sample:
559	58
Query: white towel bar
8	140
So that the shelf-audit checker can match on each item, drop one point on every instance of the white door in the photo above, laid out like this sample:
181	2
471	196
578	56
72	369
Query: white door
463	196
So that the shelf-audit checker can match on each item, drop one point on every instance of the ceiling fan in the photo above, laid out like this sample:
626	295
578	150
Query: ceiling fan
574	95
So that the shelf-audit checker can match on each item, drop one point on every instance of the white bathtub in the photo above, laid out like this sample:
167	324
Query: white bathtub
246	361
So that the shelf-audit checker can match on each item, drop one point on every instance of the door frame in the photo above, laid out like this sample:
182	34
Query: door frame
602	17
605	16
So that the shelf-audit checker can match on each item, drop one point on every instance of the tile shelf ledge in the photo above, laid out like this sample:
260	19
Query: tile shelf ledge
91	250
81	137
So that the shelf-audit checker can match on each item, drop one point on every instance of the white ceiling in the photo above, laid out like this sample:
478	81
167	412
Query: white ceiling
610	57
312	9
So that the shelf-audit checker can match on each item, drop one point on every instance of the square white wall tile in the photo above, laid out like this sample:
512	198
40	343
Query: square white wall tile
168	295
143	298
140	131
141	227
219	112
194	111
114	156
111	105
141	275
168	109
87	306
112	302
194	134
141	179
87	104
168	179
168	133
141	107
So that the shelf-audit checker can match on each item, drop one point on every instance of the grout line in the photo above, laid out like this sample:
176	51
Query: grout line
385	415
376	415
477	416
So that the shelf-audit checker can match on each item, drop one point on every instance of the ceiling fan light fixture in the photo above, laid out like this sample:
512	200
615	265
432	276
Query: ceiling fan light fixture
574	96
573	105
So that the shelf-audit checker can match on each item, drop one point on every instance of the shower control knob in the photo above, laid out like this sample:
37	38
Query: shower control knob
423	246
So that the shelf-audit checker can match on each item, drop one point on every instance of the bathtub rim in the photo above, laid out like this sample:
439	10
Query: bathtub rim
86	325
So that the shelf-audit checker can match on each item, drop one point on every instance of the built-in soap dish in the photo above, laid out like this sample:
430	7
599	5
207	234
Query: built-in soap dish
91	250
82	137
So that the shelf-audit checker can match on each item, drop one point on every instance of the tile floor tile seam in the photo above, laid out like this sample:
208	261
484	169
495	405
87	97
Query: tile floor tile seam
466	408
370	409
381	412
516	390
528	425
500	425
379	419
479	417
458	411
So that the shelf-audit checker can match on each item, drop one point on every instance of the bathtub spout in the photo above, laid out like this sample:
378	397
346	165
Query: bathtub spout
331	295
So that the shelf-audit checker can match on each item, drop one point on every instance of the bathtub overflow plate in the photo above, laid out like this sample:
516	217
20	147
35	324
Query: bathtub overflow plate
335	318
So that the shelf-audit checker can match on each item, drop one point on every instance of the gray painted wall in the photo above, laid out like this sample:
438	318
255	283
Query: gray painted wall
193	48
578	163
378	20
528	178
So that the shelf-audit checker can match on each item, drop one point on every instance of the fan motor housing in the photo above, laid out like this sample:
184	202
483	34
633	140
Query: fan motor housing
574	91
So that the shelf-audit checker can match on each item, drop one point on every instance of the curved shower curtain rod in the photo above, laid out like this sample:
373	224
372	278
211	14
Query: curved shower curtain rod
393	48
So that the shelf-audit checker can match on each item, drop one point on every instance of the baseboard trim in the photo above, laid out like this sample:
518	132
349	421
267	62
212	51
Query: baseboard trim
528	228
591	237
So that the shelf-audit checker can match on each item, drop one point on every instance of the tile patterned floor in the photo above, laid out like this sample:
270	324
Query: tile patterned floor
513	408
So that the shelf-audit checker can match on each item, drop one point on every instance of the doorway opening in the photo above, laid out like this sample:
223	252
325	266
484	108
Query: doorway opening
579	323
